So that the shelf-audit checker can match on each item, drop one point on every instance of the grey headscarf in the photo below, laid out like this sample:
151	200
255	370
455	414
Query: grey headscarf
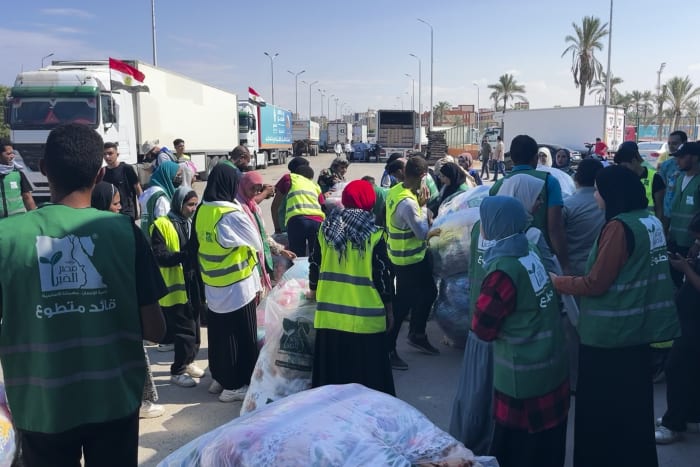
504	221
182	194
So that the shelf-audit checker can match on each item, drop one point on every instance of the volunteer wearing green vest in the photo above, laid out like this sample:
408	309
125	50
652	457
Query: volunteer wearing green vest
15	189
155	200
79	292
627	303
302	208
686	202
171	242
548	216
628	156
227	246
669	171
518	310
407	224
349	277
249	188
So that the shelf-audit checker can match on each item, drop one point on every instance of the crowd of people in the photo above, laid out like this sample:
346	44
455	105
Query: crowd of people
623	245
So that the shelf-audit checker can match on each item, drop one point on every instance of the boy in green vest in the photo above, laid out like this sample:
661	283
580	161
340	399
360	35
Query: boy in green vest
15	189
79	292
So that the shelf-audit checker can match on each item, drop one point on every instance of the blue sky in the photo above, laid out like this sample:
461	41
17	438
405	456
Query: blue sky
359	50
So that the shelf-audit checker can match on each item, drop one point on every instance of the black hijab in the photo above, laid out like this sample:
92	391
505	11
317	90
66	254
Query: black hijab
222	184
102	196
456	176
621	189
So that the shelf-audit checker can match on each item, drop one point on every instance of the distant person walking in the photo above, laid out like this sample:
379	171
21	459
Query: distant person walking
499	157
486	151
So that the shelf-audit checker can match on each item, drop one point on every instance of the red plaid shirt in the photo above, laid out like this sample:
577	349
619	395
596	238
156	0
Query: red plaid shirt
496	302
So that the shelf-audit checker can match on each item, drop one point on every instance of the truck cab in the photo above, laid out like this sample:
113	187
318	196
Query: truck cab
267	133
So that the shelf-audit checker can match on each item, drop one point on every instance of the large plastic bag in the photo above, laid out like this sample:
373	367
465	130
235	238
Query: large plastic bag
568	187
451	308
285	360
299	270
450	250
346	425
469	199
7	432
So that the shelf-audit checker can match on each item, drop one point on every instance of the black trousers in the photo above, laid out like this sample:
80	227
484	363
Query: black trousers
518	448
108	444
302	232
682	383
182	323
415	293
485	168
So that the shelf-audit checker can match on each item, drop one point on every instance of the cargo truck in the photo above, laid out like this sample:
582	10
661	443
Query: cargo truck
569	127
306	135
175	106
339	132
397	132
266	130
359	133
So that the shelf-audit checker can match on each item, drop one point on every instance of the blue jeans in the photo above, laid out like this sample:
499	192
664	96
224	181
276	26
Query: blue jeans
500	167
302	232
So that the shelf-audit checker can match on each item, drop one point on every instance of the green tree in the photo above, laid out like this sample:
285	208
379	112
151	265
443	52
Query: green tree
440	110
680	93
507	88
4	128
584	66
598	88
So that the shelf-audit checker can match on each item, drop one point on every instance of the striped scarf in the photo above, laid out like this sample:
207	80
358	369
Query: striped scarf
355	225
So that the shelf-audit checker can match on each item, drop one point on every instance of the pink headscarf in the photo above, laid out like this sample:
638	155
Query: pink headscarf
249	180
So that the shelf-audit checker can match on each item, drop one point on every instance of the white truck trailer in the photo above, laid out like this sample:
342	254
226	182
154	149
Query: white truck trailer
175	106
339	132
306	135
359	133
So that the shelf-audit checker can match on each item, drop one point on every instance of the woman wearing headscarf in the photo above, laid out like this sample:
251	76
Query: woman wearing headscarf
105	197
349	277
518	311
627	303
155	200
562	161
544	157
228	244
453	182
466	161
171	242
252	184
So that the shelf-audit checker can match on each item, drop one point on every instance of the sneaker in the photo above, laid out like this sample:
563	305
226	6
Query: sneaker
232	395
665	436
150	410
194	371
165	347
397	362
215	387
183	380
421	343
690	427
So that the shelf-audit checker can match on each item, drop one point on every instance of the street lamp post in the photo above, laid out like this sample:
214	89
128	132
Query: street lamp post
420	104
413	90
272	73
430	127
153	31
322	92
296	90
608	77
310	84
336	107
328	104
478	108
44	58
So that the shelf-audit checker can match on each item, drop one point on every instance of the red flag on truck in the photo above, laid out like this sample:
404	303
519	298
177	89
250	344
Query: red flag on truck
124	76
254	97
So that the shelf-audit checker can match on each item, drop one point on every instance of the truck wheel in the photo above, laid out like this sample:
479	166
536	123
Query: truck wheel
314	151
267	159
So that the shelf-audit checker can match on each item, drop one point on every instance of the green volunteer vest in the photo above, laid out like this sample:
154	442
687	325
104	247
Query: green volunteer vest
648	181
147	215
402	245
11	187
685	204
70	341
220	266
639	307
530	351
539	217
346	297
477	272
302	199
174	276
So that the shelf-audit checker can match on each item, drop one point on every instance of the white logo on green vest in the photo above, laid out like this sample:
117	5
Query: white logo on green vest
655	231
535	271
65	264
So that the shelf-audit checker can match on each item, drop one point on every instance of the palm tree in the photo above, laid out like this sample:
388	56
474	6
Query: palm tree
507	88
640	102
584	66
440	109
598	87
679	94
496	98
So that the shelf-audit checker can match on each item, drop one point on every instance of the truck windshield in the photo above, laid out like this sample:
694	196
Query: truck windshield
397	118
43	113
